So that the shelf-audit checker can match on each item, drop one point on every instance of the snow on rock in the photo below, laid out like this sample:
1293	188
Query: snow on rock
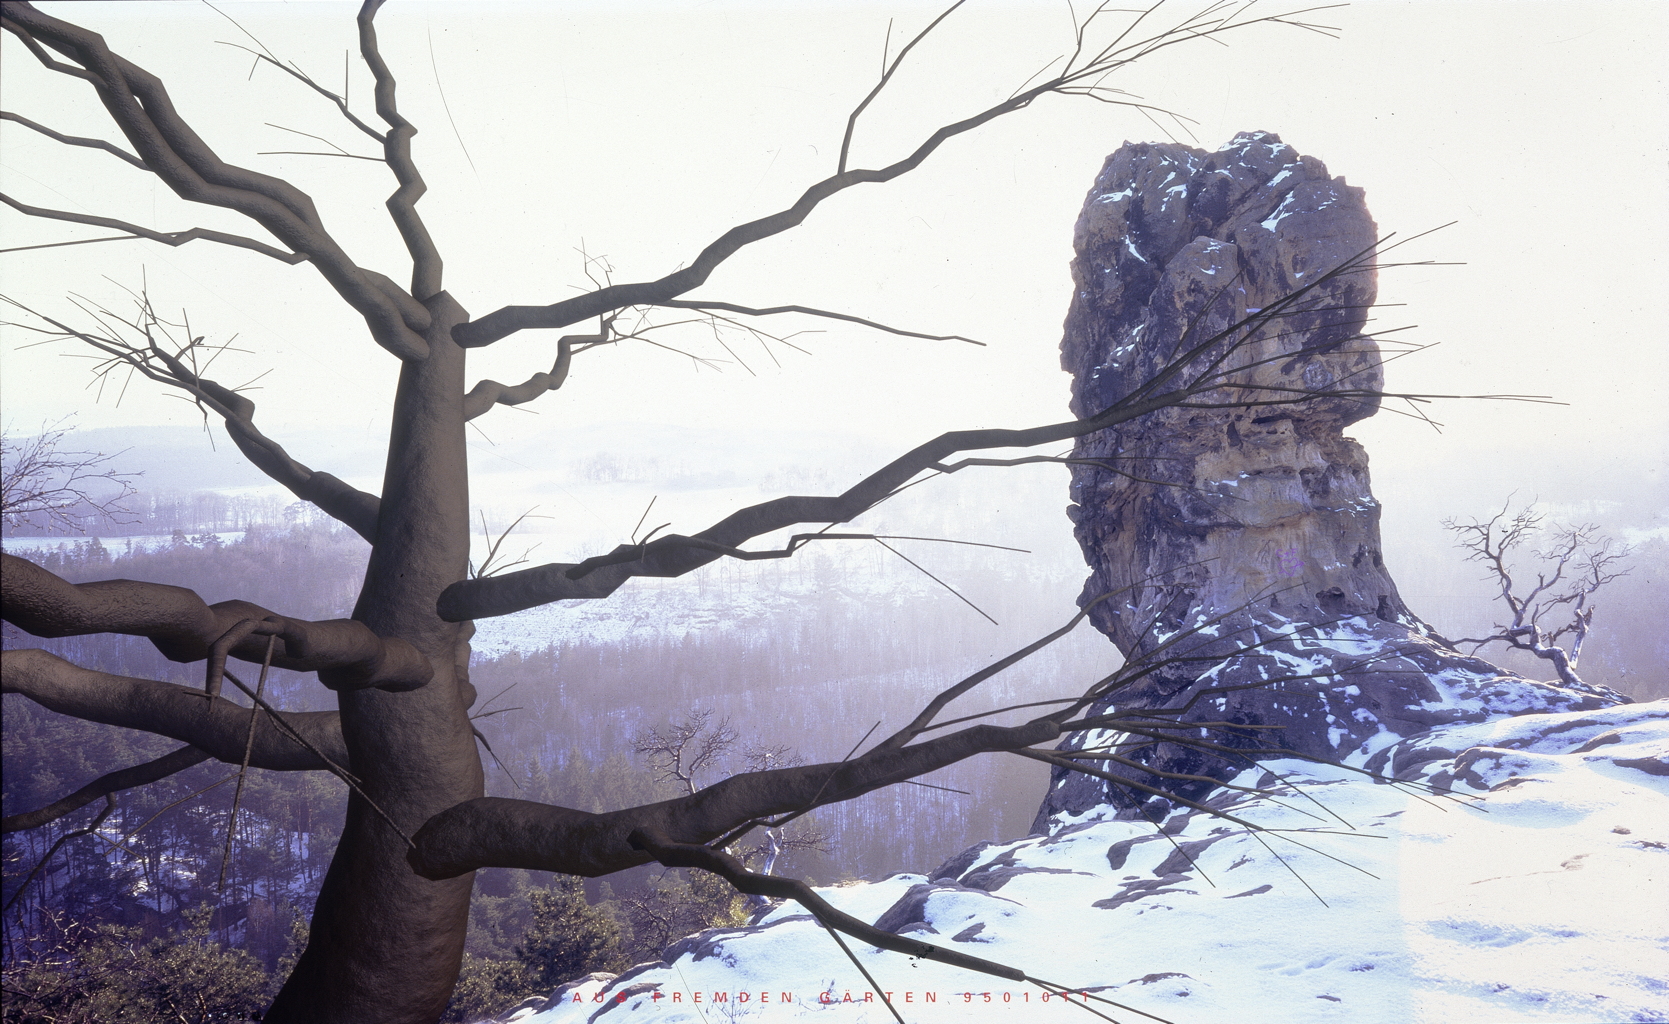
1258	521
1532	885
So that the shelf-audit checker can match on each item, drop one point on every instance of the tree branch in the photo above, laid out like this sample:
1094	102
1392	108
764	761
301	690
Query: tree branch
496	832
677	554
334	497
340	101
402	205
887	72
215	726
345	653
1229	357
90	827
691	831
74	140
114	782
142	109
693	855
488	393
1076	78
38	479
731	307
1491	542
174	238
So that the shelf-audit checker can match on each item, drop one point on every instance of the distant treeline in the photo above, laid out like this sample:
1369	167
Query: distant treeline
151	513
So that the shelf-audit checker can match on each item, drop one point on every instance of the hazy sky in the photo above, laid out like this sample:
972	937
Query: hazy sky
639	132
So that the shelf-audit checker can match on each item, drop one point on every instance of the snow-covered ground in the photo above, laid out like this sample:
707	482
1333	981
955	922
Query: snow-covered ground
1537	891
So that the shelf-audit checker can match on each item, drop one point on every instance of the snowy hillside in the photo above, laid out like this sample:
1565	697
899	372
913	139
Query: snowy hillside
1538	891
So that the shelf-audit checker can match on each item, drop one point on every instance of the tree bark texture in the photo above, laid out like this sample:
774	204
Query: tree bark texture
386	942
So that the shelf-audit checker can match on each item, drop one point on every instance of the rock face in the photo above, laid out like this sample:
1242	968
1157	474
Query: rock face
1246	540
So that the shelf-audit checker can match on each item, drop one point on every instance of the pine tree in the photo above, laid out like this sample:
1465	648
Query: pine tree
569	937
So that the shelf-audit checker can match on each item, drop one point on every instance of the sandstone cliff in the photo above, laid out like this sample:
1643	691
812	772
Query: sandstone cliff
1247	539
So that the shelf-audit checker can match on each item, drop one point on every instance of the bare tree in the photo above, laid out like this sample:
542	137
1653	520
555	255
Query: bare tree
43	483
387	934
687	748
696	746
1551	619
774	842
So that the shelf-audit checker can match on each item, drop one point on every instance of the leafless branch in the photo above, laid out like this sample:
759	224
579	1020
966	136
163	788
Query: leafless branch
345	653
671	756
92	826
731	307
243	767
887	72
266	56
74	140
213	725
1217	370
157	355
143	110
491	565
1578	562
488	393
1079	77
402	205
538	836
173	238
113	782
39	478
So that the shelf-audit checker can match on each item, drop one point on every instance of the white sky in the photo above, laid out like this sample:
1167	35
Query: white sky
643	131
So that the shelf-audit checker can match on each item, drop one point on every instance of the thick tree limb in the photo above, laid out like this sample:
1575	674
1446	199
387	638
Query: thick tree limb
74	140
488	393
142	109
495	832
174	238
104	785
213	725
689	831
346	654
676	554
336	498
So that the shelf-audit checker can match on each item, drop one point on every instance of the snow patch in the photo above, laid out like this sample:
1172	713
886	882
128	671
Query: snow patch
1528	888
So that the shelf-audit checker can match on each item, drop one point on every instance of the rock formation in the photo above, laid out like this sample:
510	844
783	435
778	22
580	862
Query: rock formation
1247	538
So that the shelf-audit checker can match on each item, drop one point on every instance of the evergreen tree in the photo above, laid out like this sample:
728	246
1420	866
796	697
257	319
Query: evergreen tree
569	937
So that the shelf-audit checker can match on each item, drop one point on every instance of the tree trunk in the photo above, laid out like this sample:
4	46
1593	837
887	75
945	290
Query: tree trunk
385	943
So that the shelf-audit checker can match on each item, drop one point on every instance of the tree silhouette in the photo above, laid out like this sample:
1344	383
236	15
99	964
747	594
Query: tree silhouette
42	483
387	934
1578	561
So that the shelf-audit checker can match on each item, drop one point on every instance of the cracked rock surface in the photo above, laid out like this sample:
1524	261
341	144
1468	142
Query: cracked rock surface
1246	540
